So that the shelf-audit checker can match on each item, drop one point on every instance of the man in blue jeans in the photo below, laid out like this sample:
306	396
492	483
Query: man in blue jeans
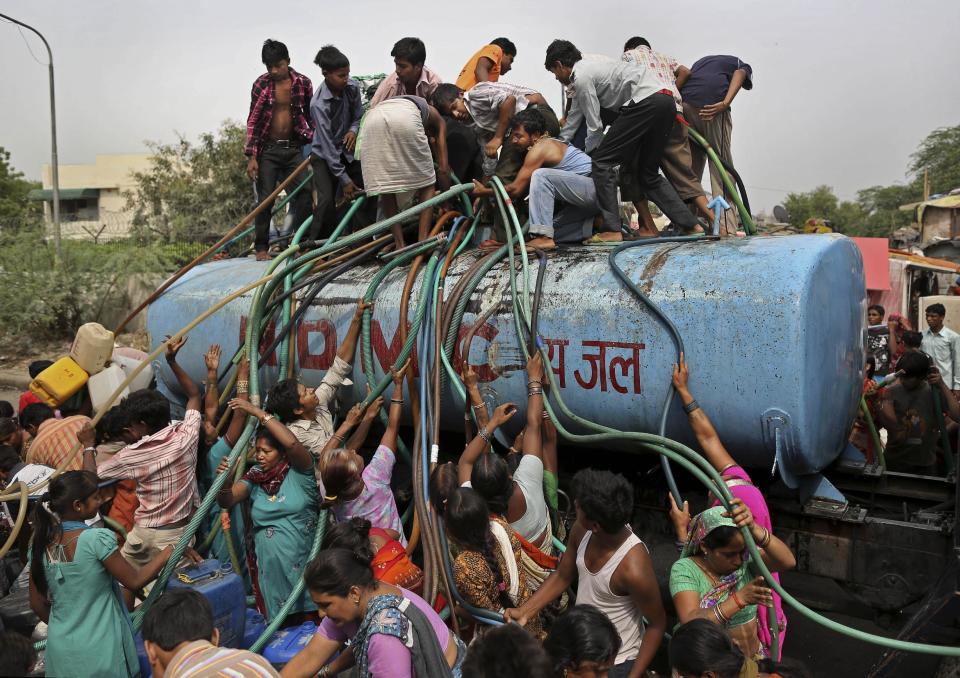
551	170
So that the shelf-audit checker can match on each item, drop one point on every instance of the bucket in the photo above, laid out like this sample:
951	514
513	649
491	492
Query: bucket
102	385
59	381
92	347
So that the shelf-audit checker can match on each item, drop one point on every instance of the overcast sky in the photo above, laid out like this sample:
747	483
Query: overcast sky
844	90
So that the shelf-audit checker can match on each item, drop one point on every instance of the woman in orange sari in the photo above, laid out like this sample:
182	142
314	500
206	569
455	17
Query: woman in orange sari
390	561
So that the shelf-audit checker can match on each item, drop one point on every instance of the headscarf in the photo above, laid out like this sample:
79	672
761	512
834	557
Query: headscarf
703	524
269	480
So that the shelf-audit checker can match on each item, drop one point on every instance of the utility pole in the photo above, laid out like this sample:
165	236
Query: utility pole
926	185
54	165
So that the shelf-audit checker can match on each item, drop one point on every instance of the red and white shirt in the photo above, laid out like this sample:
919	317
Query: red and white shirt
662	67
165	467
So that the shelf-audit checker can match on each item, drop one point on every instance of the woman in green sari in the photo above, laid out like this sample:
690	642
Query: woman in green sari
712	579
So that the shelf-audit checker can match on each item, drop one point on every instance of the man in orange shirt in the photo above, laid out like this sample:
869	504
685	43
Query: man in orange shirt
488	64
55	438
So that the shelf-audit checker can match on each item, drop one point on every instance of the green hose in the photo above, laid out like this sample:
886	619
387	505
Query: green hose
745	217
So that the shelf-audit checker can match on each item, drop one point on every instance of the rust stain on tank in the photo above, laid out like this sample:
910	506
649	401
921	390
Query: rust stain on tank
653	266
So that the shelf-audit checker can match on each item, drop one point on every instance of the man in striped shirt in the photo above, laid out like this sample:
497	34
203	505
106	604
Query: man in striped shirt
163	461
55	438
181	641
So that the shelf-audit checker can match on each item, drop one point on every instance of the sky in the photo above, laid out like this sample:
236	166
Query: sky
844	91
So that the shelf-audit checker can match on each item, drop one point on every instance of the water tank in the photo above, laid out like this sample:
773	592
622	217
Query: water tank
773	329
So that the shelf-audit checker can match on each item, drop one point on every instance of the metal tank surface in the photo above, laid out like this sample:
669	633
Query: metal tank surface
772	326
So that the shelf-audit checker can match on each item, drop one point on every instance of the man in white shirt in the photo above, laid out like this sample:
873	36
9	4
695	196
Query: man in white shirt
943	345
647	112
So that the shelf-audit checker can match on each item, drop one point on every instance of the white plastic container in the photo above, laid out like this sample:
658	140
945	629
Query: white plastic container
102	385
92	347
129	363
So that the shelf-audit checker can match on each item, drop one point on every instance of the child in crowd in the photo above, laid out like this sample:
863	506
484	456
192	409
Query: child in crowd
33	369
357	491
307	412
74	570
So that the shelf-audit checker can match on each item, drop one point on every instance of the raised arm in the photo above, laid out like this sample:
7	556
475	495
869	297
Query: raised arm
474	401
211	395
389	439
297	453
481	442
533	438
237	423
359	437
339	438
703	429
776	555
190	389
349	346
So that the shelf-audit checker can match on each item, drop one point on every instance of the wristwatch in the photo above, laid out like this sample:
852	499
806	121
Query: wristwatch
92	450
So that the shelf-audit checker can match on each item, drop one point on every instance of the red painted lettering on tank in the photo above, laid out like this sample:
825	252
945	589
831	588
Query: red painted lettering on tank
485	372
268	335
312	356
602	373
560	369
387	355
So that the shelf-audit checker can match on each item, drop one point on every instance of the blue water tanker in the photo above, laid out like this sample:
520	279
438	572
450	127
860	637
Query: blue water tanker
772	327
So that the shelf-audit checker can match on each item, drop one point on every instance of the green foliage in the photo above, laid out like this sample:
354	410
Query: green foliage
876	211
39	300
15	209
939	155
822	203
194	191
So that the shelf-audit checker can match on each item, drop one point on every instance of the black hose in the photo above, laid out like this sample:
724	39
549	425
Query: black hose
537	296
633	287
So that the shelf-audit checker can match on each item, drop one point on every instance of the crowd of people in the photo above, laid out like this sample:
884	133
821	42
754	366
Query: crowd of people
910	392
578	595
624	122
499	511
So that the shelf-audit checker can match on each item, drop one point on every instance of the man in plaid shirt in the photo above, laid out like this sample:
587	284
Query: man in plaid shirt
278	126
163	461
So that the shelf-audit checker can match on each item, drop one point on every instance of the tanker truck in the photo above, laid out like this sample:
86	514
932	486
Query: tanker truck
772	327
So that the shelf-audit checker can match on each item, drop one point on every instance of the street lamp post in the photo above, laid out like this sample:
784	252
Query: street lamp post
53	137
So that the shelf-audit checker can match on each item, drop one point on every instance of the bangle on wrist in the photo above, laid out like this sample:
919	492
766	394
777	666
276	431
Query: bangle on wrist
736	599
483	433
479	406
266	418
690	407
399	401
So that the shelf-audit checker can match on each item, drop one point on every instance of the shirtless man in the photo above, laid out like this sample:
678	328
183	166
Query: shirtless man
551	170
277	127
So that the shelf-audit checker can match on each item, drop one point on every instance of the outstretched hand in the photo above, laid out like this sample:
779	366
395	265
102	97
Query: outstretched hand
173	346
503	414
212	358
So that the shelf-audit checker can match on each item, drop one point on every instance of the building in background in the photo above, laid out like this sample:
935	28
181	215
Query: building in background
92	202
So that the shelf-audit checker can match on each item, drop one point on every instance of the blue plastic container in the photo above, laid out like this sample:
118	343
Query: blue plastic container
288	643
253	628
145	670
224	589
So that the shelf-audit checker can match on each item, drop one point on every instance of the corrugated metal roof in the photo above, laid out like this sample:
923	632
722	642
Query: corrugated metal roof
65	194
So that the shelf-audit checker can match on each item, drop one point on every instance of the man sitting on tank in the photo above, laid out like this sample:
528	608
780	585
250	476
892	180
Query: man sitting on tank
909	411
552	171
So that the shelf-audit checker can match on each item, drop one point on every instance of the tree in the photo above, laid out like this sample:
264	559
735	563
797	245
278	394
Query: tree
193	191
15	209
939	155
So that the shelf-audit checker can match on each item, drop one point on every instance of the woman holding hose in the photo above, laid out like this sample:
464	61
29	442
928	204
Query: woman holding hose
712	579
284	503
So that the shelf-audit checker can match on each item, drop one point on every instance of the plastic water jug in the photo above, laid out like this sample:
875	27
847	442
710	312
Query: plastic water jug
288	642
59	381
253	628
128	362
102	385
92	347
223	588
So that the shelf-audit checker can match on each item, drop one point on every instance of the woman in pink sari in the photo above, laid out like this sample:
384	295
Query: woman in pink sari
736	479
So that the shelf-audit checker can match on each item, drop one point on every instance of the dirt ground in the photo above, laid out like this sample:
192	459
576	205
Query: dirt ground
16	356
